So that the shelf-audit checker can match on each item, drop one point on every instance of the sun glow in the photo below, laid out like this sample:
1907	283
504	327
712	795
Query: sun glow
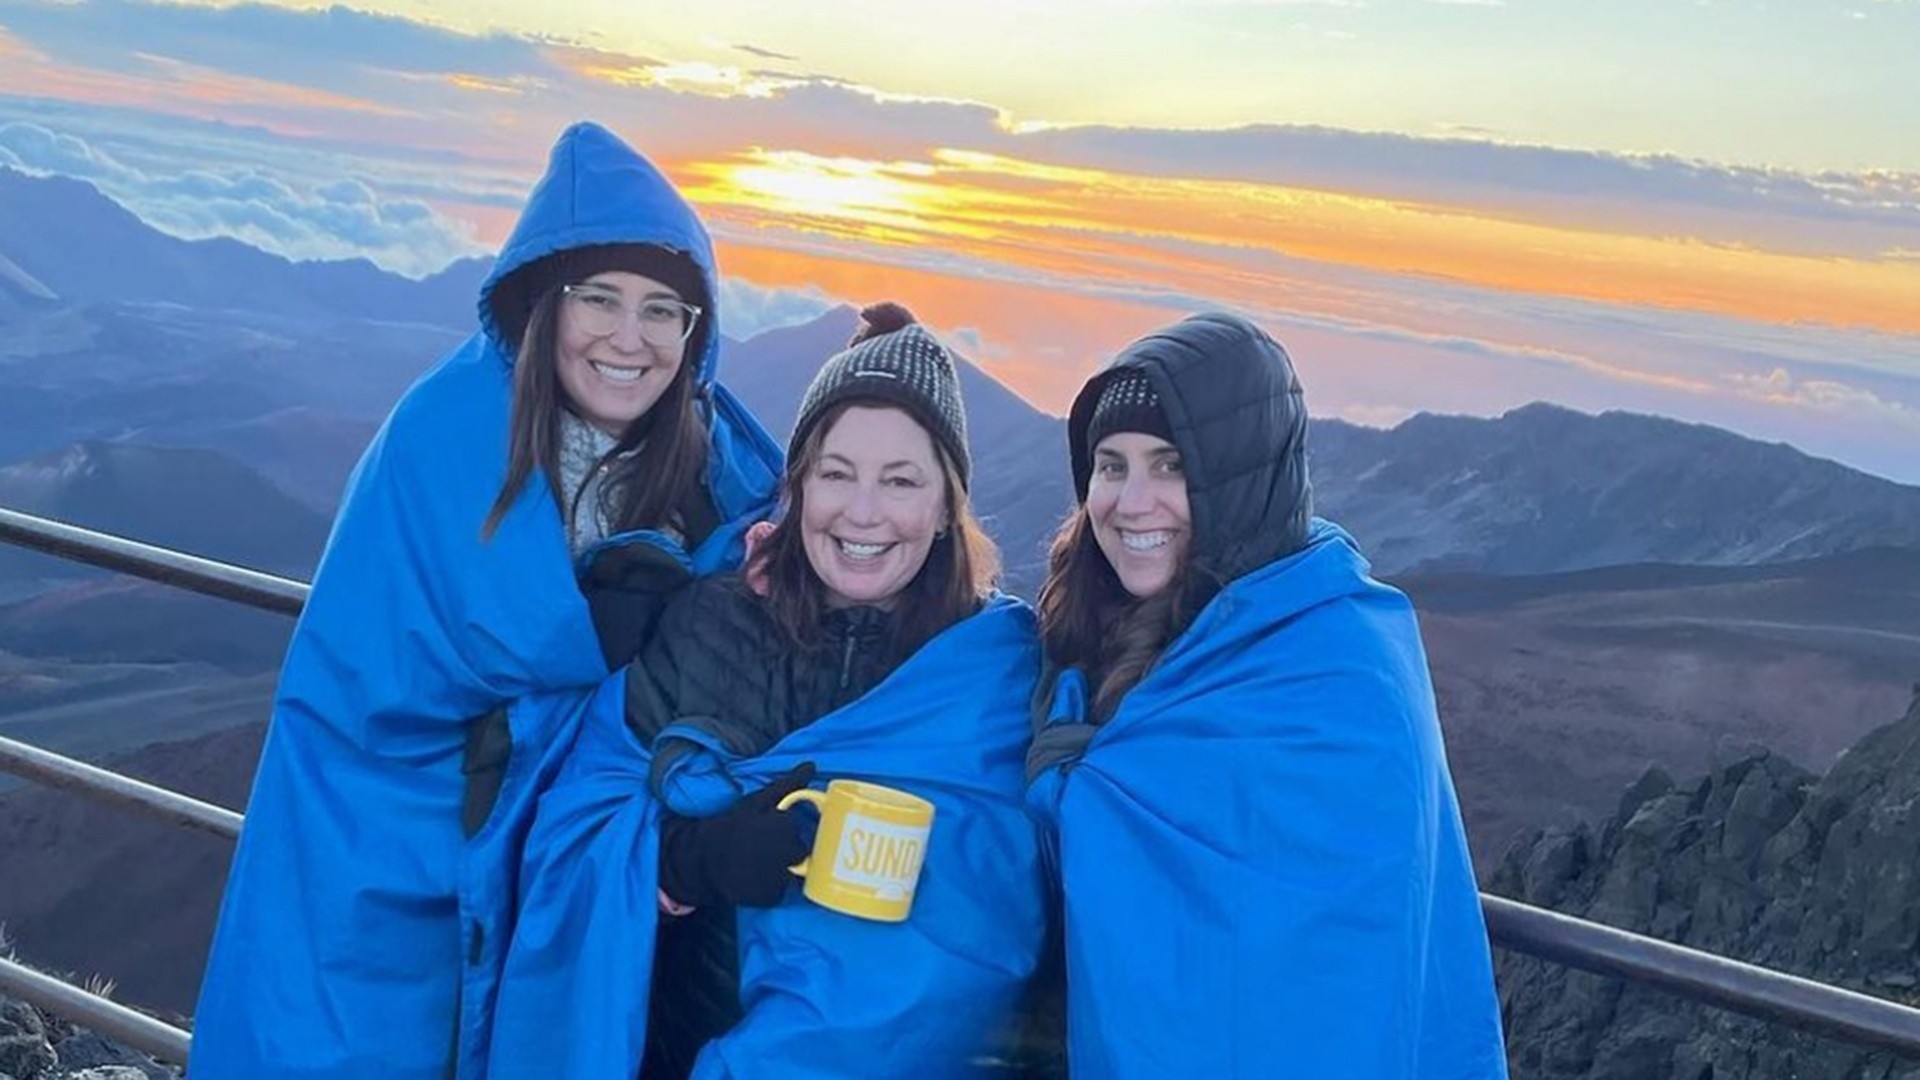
690	77
891	202
1236	239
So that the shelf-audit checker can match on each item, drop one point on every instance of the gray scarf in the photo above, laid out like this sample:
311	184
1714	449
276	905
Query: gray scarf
589	503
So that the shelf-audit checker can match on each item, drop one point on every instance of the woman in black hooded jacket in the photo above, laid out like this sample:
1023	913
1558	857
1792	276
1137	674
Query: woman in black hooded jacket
1238	759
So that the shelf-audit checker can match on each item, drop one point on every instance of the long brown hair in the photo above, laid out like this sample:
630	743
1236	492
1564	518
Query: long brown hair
960	570
650	484
1090	621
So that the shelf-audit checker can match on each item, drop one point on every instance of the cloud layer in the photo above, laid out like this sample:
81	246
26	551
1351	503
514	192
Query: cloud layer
337	219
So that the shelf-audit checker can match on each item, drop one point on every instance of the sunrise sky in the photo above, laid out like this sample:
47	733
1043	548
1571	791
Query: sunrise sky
1707	209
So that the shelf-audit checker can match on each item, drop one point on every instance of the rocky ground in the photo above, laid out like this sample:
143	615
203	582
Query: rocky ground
1758	860
36	1045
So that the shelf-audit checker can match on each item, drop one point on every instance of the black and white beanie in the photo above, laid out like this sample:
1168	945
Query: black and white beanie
892	360
1128	403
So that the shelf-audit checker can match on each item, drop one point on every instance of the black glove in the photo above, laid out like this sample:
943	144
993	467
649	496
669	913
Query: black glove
738	856
627	588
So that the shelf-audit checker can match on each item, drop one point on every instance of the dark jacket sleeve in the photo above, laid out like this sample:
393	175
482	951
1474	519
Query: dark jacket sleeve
628	589
710	659
654	687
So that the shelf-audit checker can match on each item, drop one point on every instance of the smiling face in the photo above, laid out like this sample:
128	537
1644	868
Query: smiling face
1137	502
872	504
612	379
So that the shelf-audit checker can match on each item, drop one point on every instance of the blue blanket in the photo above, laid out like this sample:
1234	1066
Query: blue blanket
1263	865
826	995
354	898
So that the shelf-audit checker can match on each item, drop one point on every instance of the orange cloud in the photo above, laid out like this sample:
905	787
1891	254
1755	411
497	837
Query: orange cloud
702	79
1118	228
1042	342
15	51
481	83
178	88
461	80
204	84
901	202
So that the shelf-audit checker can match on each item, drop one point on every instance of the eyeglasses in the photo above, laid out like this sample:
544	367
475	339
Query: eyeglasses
599	313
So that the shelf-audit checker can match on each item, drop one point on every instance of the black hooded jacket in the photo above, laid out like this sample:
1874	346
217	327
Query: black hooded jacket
1234	408
1234	405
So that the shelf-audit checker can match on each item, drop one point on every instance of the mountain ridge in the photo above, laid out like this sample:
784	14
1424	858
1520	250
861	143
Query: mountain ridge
1544	488
117	256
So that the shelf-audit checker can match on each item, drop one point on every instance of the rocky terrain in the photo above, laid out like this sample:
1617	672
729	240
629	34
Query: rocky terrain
36	1045
1760	859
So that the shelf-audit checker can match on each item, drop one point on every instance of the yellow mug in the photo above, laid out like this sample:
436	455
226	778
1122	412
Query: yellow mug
867	855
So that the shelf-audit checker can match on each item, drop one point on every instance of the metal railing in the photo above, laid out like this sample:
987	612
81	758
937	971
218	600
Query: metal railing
96	1013
190	572
1548	935
55	771
1707	977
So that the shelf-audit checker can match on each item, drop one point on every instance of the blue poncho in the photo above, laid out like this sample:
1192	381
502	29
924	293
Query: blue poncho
826	995
1262	863
354	898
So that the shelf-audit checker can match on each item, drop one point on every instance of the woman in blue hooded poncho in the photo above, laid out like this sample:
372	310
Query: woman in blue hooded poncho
873	649
495	541
1238	761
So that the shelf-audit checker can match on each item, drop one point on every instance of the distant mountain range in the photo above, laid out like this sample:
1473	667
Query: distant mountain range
1541	489
1545	489
193	500
80	246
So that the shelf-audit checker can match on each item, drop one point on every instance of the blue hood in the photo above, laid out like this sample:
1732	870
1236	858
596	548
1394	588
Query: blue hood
598	190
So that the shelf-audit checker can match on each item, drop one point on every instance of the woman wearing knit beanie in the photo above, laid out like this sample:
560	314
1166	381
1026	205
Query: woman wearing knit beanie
1237	756
870	645
578	433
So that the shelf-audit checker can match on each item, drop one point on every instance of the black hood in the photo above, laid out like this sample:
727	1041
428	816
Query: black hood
1240	424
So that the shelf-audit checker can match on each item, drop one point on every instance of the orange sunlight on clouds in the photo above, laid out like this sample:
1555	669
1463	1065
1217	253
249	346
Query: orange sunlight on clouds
1049	340
707	80
1118	227
15	51
203	84
904	202
178	88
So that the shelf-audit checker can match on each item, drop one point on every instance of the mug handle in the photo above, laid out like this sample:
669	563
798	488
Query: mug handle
819	801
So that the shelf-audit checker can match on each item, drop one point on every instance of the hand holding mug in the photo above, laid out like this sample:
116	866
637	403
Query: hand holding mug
867	856
738	856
